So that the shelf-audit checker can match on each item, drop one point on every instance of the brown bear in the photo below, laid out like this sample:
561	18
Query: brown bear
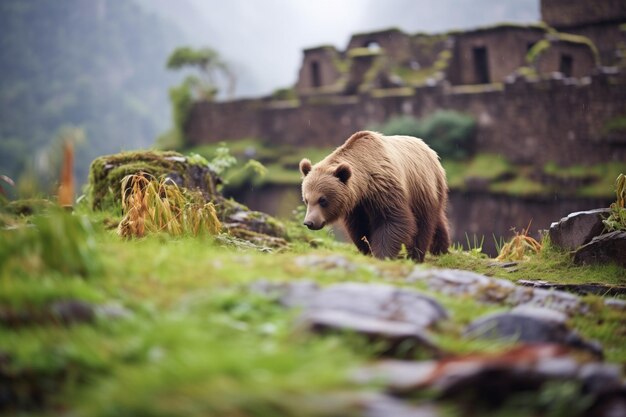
387	190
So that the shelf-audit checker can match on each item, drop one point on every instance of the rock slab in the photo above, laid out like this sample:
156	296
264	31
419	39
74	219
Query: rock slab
455	282
493	377
397	316
530	324
607	248
577	228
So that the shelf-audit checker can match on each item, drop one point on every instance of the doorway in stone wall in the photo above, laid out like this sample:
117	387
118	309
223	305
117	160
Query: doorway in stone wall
316	79
566	65
481	65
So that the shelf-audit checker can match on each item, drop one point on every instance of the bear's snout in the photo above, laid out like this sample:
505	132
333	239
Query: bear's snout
312	225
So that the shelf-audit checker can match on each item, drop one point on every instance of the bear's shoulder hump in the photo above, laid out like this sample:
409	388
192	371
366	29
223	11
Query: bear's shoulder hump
360	137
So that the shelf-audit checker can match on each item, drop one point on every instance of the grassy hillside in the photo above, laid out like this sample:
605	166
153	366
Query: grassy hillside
178	330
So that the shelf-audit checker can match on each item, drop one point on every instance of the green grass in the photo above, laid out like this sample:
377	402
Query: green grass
198	342
521	186
488	166
550	265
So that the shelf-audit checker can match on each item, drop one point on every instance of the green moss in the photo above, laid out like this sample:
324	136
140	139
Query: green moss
370	76
393	92
521	186
27	207
488	166
361	52
536	51
580	40
528	72
284	94
107	172
543	45
477	88
598	178
418	77
604	186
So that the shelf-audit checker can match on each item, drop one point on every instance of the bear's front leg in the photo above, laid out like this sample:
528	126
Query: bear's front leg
357	226
388	237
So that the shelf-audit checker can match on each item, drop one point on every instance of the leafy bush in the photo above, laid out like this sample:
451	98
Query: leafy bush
617	218
448	132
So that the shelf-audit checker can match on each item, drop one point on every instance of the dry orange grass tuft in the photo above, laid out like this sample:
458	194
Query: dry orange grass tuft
151	206
66	185
519	247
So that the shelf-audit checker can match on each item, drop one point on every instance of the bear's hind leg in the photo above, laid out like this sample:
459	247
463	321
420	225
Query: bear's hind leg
387	239
441	239
397	228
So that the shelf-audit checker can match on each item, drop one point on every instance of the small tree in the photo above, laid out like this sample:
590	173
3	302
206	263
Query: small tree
210	68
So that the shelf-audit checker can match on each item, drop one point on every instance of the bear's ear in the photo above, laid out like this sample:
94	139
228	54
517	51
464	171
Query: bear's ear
343	172
305	167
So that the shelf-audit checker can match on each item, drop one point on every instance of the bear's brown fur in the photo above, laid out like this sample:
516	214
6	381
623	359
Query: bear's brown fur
387	190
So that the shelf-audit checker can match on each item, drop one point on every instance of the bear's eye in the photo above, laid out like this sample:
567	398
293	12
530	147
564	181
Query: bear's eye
323	202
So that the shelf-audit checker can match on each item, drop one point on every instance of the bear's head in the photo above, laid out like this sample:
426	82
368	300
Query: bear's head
325	192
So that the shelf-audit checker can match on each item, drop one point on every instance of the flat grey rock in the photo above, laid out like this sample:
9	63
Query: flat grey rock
397	316
494	290
577	228
529	324
583	289
402	339
386	406
380	301
603	249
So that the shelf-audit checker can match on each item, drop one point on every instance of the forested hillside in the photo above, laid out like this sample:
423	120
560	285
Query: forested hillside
99	65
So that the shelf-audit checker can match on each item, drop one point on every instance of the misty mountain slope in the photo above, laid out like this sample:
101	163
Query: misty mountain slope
97	64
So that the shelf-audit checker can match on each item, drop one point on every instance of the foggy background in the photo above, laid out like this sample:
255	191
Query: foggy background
99	65
263	41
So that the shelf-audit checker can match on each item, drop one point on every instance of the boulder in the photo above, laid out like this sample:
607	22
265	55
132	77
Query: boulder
106	174
193	173
492	378
530	324
577	228
582	289
607	248
456	282
401	339
397	316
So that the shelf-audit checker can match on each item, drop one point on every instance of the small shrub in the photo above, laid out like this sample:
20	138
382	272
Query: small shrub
55	240
519	247
222	159
617	218
449	133
152	205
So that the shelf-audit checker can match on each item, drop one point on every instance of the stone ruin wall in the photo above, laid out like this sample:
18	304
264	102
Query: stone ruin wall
527	122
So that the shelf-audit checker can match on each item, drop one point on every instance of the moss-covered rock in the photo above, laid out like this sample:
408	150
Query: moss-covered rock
106	174
191	172
234	215
27	207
